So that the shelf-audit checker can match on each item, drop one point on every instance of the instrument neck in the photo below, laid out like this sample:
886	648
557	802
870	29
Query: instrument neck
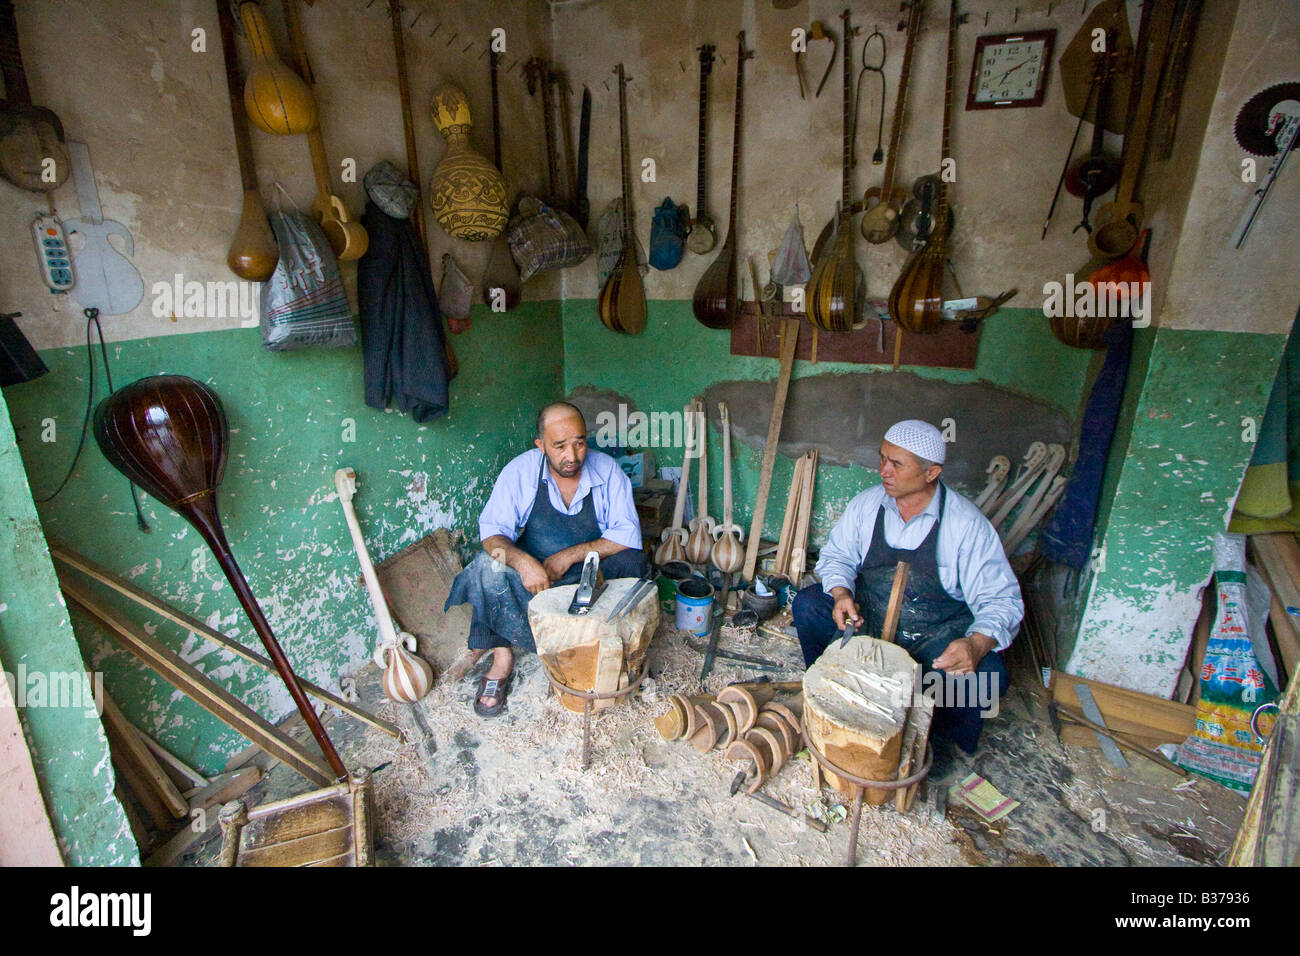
941	208
896	127
846	190
496	112
625	151
255	29
11	57
552	170
735	133
703	136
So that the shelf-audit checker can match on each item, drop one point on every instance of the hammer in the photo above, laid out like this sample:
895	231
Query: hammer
775	804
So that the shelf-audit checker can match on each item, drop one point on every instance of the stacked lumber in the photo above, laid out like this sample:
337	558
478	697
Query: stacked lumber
1144	718
792	548
1277	556
757	723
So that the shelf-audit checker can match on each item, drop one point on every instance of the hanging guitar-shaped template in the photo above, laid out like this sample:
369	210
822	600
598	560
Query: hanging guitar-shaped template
916	300
277	99
621	303
716	303
30	135
467	193
106	279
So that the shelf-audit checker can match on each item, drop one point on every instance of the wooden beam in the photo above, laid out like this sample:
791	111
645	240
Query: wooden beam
789	339
146	600
134	751
186	678
223	788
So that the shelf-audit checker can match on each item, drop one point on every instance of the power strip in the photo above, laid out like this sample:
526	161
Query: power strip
52	252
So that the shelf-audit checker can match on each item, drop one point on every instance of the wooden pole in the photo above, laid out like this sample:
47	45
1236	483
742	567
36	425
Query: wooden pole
789	340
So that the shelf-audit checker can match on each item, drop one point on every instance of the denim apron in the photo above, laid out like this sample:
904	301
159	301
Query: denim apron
548	531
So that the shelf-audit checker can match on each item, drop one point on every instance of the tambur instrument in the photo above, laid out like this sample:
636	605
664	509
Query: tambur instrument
168	434
699	543
621	303
728	554
673	539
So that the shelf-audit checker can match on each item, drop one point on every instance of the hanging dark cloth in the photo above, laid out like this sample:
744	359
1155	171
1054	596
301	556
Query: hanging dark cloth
401	328
1067	536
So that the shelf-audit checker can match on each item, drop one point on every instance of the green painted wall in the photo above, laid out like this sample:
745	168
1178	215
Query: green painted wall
1183	466
676	358
294	418
66	739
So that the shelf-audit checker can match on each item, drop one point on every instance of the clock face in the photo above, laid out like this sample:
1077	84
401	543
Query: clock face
1010	70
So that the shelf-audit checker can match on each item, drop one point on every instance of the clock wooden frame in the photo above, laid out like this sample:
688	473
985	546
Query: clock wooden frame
1021	36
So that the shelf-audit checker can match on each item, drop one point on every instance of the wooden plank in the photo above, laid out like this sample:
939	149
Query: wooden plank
227	786
186	678
1246	844
785	544
950	347
1200	641
167	759
789	339
799	551
1142	715
1274	558
134	750
1286	632
72	559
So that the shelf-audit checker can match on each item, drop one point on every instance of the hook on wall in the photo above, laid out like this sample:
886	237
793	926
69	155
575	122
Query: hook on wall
436	27
452	38
416	20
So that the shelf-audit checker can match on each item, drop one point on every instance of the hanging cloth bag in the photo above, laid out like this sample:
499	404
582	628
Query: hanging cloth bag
790	267
667	235
455	294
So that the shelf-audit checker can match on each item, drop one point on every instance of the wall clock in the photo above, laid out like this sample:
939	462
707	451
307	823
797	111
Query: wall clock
1010	70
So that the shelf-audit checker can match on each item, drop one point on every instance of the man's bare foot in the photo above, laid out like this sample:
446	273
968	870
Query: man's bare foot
463	663
503	662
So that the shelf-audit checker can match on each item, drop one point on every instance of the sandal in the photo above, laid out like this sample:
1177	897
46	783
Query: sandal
496	688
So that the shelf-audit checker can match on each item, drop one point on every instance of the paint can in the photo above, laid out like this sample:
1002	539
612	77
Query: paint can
671	573
694	606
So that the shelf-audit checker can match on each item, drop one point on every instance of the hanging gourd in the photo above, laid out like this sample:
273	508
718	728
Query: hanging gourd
468	193
275	97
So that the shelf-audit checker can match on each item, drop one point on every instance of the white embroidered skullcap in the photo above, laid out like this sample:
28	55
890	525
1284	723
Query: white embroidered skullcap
920	438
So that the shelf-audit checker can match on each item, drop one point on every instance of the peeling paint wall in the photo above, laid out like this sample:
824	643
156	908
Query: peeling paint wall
67	742
292	418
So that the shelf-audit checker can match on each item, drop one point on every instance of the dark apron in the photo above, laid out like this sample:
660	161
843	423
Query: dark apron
548	531
929	611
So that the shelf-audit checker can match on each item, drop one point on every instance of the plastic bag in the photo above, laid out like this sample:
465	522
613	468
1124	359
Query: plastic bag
303	303
543	238
790	267
455	294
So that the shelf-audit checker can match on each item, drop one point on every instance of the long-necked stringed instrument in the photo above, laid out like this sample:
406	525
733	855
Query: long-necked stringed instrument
501	271
716	303
882	204
29	135
833	288
536	74
916	300
278	100
621	304
1090	177
704	235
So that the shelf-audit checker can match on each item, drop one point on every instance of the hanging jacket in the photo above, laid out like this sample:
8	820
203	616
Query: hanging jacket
401	328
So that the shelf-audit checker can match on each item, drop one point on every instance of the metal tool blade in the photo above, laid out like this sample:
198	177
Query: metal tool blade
850	629
631	598
1093	713
588	592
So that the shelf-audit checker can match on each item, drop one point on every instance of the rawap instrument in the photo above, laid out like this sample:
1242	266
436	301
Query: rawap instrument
590	586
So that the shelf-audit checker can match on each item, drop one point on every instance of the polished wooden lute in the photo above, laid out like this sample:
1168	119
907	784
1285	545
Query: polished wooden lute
621	304
716	304
704	235
916	300
833	288
882	204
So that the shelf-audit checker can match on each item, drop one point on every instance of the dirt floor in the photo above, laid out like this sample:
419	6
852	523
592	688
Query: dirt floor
511	790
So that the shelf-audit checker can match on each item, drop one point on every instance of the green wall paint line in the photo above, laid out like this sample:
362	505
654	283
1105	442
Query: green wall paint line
1181	471
68	746
676	358
295	418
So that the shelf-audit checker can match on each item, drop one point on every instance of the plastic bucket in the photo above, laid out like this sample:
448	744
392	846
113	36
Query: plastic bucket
694	606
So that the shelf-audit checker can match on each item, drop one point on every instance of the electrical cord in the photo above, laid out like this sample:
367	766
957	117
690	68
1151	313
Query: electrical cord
92	321
879	69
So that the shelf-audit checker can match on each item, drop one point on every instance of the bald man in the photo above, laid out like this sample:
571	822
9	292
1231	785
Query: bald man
548	508
962	606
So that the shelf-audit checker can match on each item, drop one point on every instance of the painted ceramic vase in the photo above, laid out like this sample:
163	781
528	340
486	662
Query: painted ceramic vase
467	192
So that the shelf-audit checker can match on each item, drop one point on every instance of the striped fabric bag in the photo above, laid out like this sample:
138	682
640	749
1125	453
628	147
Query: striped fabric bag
303	303
543	238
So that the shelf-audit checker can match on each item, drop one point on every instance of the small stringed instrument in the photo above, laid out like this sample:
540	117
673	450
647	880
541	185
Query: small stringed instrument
833	288
917	220
699	543
728	555
703	235
29	135
253	251
501	272
621	304
348	239
916	300
1090	176
715	303
277	99
882	204
672	539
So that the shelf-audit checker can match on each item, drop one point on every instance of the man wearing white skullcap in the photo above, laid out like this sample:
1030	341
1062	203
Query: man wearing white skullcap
962	606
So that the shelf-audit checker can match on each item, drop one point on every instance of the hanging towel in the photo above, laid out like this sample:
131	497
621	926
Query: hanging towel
1066	538
401	328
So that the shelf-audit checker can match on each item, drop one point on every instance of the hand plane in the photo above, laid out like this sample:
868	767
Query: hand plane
590	586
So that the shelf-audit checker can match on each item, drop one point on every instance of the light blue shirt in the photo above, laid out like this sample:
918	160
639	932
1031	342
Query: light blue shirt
511	502
973	566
